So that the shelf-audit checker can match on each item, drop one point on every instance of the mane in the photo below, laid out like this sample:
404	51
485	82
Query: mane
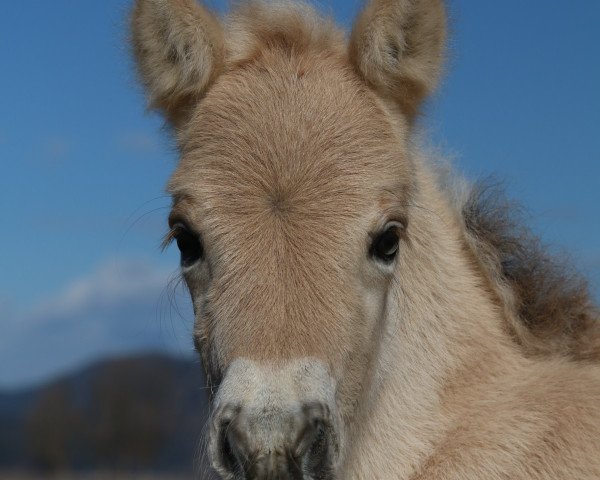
551	311
256	26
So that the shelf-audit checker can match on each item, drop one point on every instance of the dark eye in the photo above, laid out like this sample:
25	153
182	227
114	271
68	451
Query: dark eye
385	245
189	245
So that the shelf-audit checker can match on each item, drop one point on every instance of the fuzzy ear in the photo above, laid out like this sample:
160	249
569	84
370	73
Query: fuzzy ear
178	46
398	46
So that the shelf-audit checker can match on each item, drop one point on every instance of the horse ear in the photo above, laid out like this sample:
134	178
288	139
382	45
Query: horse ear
398	47
178	47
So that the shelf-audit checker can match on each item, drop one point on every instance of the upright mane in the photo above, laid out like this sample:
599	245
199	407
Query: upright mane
257	26
551	310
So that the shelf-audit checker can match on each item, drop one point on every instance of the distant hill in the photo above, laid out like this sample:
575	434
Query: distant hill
137	413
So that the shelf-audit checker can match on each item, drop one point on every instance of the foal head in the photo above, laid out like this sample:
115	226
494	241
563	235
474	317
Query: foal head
290	207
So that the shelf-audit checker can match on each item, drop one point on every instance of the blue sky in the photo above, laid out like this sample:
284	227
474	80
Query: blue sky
83	166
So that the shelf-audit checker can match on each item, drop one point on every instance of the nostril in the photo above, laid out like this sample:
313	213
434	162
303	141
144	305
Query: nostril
227	454
318	437
319	444
229	444
311	426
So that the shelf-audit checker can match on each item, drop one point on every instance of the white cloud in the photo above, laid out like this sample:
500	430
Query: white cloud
123	306
111	284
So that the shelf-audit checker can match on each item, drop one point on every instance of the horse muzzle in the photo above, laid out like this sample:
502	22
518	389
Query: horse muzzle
275	423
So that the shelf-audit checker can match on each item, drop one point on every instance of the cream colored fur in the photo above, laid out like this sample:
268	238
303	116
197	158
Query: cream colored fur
398	46
179	47
295	148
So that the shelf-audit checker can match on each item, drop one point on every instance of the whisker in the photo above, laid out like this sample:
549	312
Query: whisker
139	219
160	197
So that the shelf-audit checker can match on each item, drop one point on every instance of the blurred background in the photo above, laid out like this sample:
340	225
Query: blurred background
98	378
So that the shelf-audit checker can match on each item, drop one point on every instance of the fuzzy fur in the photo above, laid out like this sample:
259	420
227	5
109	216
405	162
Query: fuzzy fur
460	361
398	46
554	313
179	47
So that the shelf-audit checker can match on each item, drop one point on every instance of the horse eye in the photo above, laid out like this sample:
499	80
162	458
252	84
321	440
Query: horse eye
189	245
386	244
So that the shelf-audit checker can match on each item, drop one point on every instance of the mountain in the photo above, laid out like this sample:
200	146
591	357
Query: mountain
143	412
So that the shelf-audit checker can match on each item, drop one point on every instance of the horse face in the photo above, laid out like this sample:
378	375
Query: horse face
290	204
290	208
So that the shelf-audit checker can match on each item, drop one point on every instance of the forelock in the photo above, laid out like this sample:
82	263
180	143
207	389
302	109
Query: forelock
258	25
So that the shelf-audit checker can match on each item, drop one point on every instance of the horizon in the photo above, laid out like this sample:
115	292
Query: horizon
91	364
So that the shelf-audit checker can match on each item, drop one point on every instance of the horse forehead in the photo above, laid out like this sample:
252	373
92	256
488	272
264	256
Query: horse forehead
288	124
295	145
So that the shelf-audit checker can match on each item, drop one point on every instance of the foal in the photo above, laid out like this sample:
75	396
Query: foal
355	320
